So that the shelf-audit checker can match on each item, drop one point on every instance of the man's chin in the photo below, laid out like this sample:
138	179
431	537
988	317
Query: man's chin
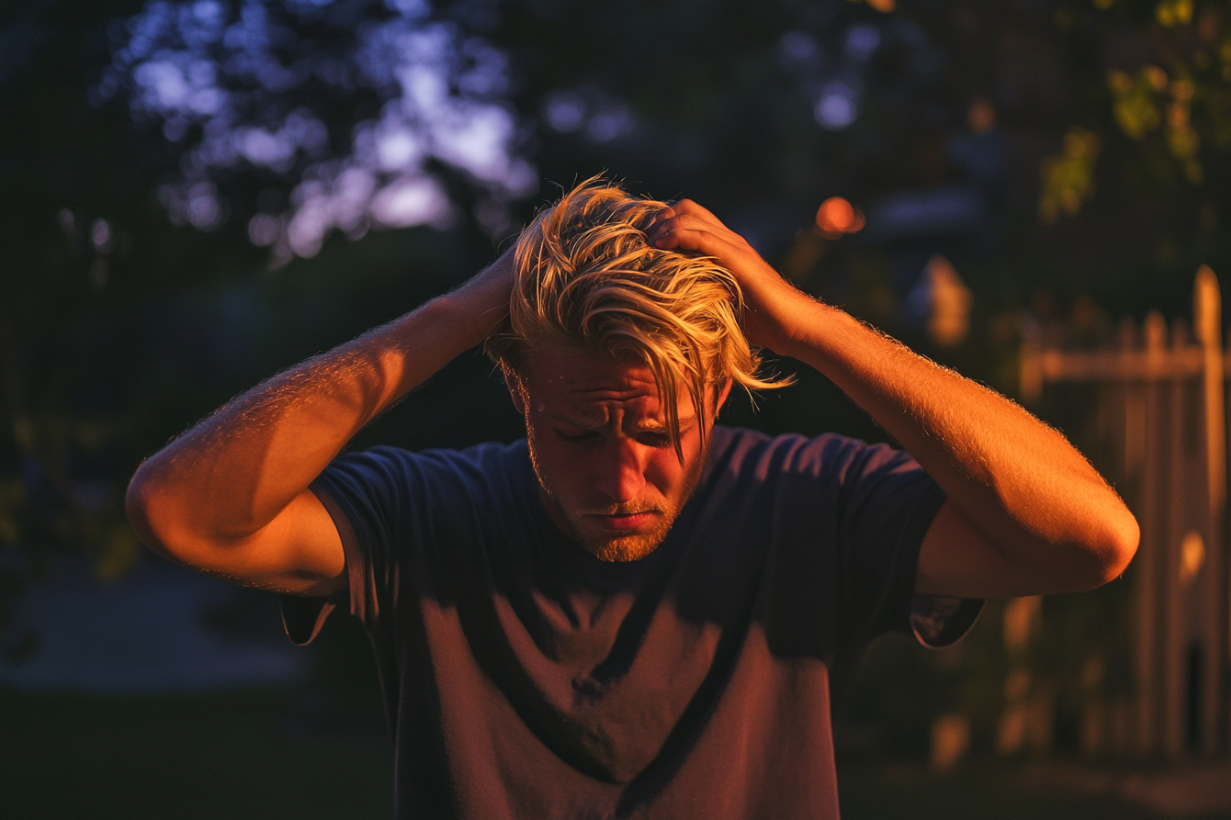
609	544
625	548
606	545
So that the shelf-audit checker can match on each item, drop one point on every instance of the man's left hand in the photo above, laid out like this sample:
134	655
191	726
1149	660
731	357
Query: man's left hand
1026	514
769	300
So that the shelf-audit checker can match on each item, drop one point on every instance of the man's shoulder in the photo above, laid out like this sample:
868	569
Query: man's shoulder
743	458
392	466
748	434
489	454
742	444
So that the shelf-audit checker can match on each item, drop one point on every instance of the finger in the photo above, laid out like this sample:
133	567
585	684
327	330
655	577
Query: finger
676	221
657	229
686	230
686	207
692	239
659	218
664	234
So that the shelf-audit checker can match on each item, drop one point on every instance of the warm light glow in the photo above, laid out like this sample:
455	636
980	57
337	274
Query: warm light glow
950	741
1021	618
949	314
981	117
836	216
1192	556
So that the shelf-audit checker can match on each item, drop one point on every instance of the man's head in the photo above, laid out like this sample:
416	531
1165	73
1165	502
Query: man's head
618	354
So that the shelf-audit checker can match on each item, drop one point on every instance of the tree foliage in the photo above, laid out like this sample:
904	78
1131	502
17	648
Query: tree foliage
163	157
1166	82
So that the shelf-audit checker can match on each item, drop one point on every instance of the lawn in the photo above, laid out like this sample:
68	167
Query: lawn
264	754
991	790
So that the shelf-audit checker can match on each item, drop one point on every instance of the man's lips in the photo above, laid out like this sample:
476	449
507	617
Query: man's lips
625	521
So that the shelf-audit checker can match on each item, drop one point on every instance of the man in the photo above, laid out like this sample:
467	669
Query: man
634	612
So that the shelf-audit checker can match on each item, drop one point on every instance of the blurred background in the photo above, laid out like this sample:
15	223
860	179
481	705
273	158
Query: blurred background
199	194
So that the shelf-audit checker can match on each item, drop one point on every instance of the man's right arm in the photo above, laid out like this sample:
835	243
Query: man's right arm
230	496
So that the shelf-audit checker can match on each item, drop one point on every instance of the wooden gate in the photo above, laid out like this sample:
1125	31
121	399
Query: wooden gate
1161	398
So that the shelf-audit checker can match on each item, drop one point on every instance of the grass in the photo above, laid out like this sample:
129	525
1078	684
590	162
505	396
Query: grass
975	791
248	754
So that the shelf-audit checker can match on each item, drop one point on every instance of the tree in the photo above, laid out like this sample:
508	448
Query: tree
170	147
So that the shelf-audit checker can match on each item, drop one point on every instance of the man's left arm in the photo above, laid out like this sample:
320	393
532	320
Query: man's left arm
1026	513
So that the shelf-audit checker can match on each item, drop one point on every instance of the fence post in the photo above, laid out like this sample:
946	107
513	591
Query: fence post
1165	404
1149	570
1207	322
1173	427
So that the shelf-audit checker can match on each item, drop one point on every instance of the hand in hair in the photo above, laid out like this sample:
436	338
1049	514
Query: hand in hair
486	296
1026	514
768	298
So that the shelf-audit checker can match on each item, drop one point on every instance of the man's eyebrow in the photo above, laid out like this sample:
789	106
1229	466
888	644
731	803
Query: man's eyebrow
662	426
650	427
563	419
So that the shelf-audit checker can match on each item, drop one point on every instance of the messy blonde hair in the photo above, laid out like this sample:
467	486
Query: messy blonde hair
586	276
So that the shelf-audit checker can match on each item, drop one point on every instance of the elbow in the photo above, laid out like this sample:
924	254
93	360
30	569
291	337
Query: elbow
1117	546
144	505
138	503
166	513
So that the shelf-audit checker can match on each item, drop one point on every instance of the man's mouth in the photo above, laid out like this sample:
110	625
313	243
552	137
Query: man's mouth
626	521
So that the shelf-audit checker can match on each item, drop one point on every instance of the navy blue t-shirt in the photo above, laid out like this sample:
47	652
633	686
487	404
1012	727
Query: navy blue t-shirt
524	678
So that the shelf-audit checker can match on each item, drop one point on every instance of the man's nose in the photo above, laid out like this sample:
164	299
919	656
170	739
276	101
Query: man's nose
621	473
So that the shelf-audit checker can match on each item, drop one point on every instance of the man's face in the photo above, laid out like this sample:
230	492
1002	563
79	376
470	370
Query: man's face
609	475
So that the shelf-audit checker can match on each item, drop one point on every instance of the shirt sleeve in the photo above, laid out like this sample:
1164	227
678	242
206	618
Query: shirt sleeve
366	496
888	503
940	621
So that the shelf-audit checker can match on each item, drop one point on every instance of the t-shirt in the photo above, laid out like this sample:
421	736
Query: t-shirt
524	678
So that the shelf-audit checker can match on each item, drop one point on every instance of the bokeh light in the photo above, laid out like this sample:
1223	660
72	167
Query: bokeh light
836	217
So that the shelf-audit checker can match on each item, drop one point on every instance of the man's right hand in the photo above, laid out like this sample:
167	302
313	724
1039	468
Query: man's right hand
485	297
230	496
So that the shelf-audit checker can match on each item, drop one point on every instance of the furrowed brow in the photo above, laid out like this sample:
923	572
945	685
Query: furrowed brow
661	426
647	427
572	422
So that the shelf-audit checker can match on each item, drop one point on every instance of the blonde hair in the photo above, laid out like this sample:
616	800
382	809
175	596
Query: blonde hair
586	276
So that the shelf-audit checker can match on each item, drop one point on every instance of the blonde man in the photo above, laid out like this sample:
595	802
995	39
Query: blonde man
634	612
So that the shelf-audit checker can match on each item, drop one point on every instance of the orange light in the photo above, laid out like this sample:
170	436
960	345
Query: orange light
836	216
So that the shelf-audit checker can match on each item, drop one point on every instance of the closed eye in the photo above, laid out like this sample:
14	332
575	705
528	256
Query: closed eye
576	437
654	439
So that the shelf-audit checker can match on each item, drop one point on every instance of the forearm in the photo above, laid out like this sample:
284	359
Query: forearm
1033	496
1026	514
230	475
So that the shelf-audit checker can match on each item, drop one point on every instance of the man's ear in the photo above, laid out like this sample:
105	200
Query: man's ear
516	390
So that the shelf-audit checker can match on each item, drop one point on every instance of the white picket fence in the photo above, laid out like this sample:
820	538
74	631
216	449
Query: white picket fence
1161	398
